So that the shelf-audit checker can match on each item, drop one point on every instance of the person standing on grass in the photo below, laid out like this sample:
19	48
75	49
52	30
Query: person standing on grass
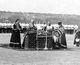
15	40
62	40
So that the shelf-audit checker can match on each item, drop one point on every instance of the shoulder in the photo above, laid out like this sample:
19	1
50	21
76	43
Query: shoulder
14	24
62	27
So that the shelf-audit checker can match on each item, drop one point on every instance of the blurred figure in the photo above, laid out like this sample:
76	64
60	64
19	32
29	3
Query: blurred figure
77	38
15	40
44	27
49	25
30	37
32	26
49	28
50	40
62	39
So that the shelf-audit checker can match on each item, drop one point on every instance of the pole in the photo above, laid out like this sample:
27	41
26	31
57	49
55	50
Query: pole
46	40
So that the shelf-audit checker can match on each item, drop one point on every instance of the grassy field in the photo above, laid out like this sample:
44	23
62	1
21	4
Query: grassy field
10	56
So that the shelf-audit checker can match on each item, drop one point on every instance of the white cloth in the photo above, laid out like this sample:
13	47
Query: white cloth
49	27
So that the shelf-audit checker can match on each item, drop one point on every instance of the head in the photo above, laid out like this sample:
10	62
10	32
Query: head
60	23
44	23
49	24
17	21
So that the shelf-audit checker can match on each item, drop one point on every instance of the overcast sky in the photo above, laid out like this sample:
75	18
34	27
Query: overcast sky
42	6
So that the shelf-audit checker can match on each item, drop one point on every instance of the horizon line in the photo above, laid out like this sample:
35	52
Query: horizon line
38	12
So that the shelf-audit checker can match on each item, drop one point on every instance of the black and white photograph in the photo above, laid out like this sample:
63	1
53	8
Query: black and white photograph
39	32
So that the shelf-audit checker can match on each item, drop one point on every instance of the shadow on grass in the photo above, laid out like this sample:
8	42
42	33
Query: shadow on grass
15	48
21	49
4	45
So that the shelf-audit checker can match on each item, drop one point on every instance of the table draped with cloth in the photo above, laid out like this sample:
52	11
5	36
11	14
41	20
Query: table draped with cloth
44	38
29	40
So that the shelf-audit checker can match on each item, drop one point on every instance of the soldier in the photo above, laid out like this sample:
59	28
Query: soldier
62	40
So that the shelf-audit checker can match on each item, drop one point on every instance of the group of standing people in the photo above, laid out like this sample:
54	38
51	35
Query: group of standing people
15	40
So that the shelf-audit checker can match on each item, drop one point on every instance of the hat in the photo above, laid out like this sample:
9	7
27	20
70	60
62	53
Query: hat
59	23
16	20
